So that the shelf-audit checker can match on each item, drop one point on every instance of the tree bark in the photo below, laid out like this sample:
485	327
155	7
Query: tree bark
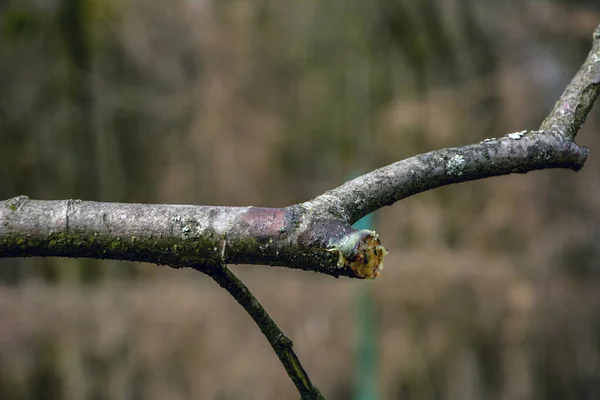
315	235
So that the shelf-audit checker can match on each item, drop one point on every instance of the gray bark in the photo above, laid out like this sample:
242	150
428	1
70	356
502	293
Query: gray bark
315	235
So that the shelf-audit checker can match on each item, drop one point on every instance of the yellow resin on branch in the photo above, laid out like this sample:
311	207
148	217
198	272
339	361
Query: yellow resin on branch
362	252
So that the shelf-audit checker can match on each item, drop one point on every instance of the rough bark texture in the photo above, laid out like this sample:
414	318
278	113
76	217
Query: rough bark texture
315	235
577	100
518	152
180	235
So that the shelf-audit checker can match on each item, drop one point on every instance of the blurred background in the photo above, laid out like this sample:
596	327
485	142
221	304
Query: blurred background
491	289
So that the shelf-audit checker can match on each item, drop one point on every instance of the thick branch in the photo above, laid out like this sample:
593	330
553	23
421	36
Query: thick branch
187	236
278	341
315	235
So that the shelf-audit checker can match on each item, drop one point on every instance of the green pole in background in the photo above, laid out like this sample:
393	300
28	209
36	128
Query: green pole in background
366	338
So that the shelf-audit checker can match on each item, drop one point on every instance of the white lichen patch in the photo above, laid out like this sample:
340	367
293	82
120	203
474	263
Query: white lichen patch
516	135
489	140
455	165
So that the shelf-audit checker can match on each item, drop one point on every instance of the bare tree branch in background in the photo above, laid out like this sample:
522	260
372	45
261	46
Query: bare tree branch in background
315	235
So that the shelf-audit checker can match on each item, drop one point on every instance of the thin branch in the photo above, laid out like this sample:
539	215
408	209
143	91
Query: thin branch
277	339
577	100
550	147
518	152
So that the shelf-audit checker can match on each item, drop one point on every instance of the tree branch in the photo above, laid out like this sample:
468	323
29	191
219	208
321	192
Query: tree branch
188	236
277	339
551	146
518	152
315	235
577	100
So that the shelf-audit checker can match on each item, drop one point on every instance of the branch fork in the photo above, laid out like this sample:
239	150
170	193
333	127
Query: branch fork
316	235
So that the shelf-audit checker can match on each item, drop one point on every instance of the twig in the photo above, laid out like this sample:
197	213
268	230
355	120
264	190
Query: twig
278	341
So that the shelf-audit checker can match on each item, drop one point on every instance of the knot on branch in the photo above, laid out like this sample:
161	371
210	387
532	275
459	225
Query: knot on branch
361	251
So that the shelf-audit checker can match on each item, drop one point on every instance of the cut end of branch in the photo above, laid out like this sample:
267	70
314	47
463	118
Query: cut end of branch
362	252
